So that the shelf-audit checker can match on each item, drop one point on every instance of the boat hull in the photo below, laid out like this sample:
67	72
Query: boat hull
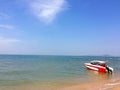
96	67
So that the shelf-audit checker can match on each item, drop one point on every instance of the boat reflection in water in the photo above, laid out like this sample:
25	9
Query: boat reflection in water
95	75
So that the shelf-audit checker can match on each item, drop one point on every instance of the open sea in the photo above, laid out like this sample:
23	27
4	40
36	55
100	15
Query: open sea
49	71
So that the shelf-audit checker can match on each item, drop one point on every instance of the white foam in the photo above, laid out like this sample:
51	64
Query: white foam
112	84
108	86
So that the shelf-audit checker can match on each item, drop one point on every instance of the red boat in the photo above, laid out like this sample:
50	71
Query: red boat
100	66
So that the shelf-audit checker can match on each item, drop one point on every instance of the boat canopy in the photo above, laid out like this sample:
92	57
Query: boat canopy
98	62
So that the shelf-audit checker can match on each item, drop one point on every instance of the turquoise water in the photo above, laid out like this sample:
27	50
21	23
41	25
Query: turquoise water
20	69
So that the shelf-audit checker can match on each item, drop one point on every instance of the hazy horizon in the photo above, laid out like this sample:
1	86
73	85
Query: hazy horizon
59	55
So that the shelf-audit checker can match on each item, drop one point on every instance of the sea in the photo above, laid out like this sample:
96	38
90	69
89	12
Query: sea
49	72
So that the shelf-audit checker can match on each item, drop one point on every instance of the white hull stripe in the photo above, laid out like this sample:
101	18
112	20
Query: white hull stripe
93	68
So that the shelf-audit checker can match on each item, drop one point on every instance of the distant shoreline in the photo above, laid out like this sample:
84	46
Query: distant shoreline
60	55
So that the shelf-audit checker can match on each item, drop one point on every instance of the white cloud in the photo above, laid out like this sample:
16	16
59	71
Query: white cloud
47	10
5	41
6	26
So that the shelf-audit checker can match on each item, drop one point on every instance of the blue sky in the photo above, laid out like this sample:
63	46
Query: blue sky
60	27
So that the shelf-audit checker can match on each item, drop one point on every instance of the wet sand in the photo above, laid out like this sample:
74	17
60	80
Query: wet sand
98	81
101	85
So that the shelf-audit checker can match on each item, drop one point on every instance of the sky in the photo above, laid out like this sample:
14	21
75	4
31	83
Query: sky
60	27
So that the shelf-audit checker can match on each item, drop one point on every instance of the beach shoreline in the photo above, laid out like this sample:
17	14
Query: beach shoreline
113	84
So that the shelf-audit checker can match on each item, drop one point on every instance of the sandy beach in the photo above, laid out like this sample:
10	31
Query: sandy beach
101	85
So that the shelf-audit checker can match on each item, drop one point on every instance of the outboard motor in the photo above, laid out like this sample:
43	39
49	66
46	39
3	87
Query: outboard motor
109	69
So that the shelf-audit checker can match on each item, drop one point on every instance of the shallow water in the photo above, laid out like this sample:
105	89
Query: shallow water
51	71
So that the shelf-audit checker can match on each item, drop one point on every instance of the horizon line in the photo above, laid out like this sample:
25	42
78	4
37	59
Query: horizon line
62	55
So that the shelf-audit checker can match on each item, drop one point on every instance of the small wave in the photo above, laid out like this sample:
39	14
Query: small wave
110	85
